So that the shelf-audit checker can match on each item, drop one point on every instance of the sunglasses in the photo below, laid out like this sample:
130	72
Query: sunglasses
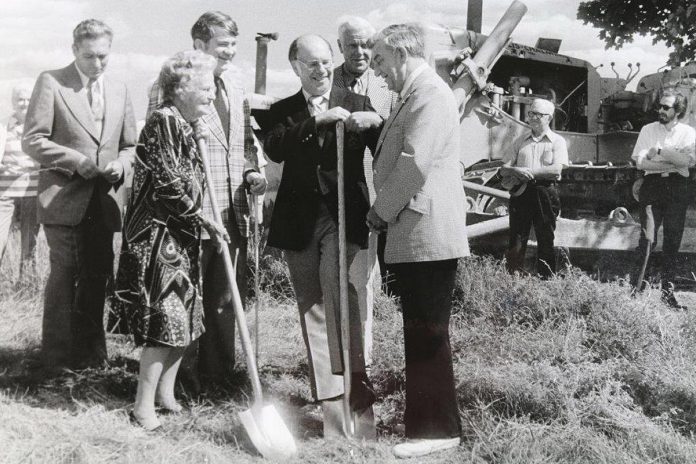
665	107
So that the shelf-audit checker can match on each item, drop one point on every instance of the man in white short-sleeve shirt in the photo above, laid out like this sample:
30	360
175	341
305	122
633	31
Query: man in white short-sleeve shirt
530	171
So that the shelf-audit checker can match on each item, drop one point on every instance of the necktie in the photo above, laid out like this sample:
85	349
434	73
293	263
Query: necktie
318	107
357	87
96	102
222	106
317	104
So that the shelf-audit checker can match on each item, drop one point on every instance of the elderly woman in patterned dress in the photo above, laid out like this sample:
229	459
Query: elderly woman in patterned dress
157	289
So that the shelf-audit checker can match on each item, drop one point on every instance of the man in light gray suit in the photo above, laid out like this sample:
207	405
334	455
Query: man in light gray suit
420	204
80	128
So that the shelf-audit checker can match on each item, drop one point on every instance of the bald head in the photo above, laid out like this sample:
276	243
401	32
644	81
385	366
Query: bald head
307	40
21	93
354	34
311	58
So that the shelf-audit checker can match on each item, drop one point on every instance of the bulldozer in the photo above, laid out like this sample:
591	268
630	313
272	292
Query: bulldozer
495	79
599	119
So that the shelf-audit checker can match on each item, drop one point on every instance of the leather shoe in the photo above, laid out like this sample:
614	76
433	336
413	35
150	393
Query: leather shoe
670	300
423	447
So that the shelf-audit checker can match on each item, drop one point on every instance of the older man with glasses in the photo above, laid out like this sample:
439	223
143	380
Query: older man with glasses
301	132
530	171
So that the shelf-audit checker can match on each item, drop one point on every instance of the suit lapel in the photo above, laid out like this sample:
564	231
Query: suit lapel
389	122
336	98
212	120
233	104
76	100
112	96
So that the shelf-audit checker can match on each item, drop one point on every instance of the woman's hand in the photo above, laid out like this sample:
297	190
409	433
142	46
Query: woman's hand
217	233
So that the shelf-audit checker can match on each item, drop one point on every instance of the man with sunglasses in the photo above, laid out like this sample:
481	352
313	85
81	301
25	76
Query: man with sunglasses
301	132
665	150
534	164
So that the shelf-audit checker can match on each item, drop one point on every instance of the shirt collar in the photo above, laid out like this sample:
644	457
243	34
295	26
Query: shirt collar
412	77
85	80
547	133
307	96
348	77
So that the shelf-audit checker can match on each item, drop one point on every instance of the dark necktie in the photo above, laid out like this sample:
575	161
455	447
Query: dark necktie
222	106
357	87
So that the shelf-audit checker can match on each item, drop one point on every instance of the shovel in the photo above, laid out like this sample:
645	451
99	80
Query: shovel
348	415
257	211
263	424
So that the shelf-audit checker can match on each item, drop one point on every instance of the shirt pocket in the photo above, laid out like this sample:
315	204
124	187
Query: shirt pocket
420	203
547	156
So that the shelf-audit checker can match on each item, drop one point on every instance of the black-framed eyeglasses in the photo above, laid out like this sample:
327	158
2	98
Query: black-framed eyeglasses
535	115
665	107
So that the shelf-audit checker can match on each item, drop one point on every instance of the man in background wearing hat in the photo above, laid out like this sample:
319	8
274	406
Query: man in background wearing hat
530	170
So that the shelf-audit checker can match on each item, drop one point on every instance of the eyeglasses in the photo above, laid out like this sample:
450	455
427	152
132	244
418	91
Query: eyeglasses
535	115
317	64
665	107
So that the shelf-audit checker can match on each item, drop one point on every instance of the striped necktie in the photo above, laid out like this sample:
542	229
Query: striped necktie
96	102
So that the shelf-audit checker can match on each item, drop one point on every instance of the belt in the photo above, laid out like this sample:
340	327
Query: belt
664	175
542	183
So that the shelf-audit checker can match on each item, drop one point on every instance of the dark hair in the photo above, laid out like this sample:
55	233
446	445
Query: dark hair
91	29
295	45
203	28
681	104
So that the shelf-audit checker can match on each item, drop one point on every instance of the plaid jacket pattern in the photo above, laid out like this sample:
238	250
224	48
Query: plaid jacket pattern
229	158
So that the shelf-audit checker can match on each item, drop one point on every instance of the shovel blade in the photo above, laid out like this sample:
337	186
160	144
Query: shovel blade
268	432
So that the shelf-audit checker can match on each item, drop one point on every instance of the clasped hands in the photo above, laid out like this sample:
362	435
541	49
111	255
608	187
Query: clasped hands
355	122
88	169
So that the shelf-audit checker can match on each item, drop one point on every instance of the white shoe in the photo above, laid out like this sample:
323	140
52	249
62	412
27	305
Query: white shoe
422	447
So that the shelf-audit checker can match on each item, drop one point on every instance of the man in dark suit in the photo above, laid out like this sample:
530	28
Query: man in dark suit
80	128
302	134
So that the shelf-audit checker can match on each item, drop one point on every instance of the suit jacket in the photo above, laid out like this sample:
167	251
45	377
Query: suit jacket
60	131
292	138
230	157
417	176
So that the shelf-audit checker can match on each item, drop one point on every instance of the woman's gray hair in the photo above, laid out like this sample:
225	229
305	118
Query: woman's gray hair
178	70
408	36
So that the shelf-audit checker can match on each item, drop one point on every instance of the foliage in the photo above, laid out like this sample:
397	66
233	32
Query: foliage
670	21
568	370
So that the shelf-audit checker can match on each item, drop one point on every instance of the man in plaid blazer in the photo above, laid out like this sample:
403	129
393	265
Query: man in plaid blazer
236	166
420	204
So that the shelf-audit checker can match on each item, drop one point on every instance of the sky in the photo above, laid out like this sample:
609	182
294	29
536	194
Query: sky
37	34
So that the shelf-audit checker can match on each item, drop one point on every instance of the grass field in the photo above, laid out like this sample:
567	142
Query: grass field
565	371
